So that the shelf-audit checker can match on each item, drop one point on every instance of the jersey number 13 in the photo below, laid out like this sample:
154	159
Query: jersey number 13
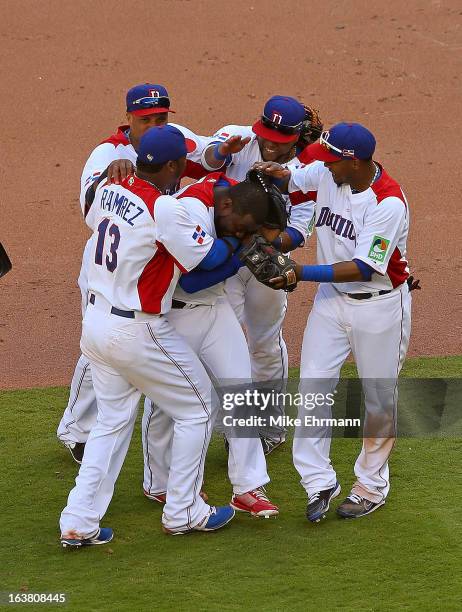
114	235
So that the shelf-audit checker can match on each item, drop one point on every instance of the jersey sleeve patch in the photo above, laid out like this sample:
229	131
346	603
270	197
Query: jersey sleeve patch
199	234
222	136
378	249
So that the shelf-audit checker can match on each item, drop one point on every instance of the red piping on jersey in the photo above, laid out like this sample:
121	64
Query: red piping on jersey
155	280
119	138
397	269
144	190
386	187
297	197
203	189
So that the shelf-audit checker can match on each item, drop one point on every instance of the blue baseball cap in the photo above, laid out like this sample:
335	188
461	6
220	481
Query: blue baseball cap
162	144
147	99
343	141
281	121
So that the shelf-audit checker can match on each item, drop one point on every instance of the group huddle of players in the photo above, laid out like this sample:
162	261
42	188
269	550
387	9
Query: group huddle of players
170	278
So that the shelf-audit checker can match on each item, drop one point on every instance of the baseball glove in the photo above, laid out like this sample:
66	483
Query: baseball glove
266	262
5	263
277	211
312	127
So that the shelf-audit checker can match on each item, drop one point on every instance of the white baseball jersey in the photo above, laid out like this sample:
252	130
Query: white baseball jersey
198	201
371	226
300	209
141	243
118	146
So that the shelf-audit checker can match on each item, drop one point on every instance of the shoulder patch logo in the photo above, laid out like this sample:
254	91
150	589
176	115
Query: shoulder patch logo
379	248
199	235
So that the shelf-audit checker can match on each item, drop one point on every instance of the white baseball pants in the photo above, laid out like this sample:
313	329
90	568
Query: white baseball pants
215	336
81	410
130	357
377	332
261	311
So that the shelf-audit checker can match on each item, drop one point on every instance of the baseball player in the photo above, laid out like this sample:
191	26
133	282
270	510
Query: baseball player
206	321
282	132
141	243
363	306
148	106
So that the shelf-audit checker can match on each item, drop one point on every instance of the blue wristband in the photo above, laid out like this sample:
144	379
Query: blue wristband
295	236
216	153
318	274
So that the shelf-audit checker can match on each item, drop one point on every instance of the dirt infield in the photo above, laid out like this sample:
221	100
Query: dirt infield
66	66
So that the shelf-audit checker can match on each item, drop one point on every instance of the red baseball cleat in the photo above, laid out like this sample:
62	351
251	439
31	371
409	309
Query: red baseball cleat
254	502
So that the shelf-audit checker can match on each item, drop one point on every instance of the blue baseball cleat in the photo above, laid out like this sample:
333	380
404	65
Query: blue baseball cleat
319	502
103	536
217	517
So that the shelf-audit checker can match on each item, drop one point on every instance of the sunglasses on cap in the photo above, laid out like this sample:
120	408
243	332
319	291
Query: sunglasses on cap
150	102
326	144
284	129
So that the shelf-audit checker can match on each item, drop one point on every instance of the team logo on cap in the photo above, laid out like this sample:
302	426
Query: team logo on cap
150	157
154	93
378	249
277	118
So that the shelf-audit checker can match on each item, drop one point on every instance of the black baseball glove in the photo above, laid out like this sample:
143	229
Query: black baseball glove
266	262
277	211
5	263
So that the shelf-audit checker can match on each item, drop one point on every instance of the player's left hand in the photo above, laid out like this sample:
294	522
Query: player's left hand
118	170
280	282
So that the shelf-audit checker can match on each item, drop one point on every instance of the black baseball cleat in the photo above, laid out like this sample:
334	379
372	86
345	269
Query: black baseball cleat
318	503
76	449
271	444
355	506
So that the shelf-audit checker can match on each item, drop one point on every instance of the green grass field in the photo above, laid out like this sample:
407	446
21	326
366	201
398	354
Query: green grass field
405	556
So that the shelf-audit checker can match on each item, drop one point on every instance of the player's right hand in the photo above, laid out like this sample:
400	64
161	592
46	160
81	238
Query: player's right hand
234	144
273	169
118	170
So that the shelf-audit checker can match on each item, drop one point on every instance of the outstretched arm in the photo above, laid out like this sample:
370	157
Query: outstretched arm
342	272
219	153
